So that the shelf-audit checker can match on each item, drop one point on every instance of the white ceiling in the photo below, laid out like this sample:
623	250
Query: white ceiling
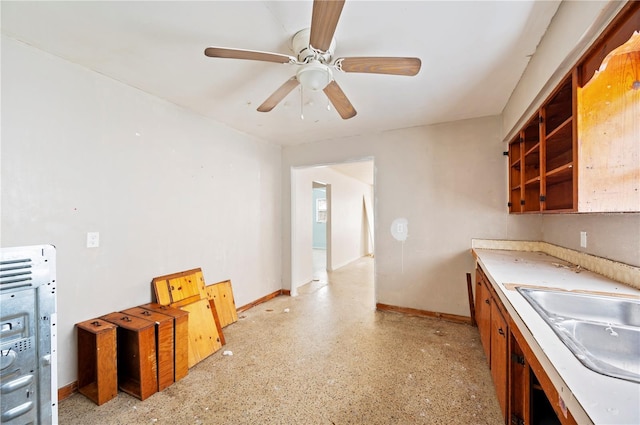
473	54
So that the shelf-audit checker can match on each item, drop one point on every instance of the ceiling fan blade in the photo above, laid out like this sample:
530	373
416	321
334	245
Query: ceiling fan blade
278	95
380	65
223	52
324	19
339	100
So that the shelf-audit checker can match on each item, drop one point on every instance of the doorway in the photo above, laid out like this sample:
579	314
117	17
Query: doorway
345	217
319	231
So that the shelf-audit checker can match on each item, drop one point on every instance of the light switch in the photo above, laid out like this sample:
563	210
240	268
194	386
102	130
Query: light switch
583	239
93	239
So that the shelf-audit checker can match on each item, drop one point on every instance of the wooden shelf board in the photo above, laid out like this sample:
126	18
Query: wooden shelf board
532	181
535	147
564	126
560	174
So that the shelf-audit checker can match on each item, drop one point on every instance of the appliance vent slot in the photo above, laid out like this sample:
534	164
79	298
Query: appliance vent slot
23	345
16	272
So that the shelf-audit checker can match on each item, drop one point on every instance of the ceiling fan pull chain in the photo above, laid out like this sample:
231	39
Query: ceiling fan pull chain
301	103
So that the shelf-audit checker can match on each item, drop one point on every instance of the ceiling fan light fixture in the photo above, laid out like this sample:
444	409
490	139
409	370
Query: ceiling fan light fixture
314	76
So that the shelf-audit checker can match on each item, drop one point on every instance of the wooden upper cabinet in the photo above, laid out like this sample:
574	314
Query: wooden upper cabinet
543	176
581	149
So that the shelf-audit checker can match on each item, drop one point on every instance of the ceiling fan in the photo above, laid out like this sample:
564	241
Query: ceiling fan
314	48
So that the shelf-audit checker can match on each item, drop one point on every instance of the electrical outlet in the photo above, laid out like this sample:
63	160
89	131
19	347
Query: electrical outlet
93	239
583	239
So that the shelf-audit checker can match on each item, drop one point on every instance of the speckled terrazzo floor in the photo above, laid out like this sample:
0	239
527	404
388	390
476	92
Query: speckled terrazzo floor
332	359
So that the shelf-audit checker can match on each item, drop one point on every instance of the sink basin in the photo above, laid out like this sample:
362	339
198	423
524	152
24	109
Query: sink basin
602	332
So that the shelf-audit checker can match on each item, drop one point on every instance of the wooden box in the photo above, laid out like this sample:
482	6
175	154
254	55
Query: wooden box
180	337
164	343
97	361
137	368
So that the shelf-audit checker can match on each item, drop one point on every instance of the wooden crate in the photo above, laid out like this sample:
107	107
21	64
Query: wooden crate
137	367
164	343
221	294
97	360
180	337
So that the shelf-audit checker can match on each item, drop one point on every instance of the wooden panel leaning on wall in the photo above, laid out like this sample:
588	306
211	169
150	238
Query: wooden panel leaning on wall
186	291
221	295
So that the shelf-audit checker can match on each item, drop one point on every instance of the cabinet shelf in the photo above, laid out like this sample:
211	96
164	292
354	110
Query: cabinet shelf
535	180
563	131
560	174
533	149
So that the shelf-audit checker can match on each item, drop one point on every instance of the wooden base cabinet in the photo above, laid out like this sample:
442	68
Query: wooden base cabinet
532	397
483	313
525	392
499	355
493	330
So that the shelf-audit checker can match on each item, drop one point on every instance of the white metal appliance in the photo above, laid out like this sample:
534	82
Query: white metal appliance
28	358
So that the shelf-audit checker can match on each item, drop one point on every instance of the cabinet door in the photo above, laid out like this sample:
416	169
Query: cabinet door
520	385
499	355
483	313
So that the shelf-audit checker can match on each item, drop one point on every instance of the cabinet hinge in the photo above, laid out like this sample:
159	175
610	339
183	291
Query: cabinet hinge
521	139
505	153
543	198
517	359
540	119
516	420
509	204
521	201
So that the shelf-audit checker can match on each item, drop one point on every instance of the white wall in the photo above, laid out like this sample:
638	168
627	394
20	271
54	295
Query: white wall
449	182
613	236
167	190
345	229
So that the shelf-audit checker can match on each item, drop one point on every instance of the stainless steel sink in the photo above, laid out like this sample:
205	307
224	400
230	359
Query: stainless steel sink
602	332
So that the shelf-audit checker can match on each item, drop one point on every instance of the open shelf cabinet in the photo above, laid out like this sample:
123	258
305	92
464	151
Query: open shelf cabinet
542	156
586	128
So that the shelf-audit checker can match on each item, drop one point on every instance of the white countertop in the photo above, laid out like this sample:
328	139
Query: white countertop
590	396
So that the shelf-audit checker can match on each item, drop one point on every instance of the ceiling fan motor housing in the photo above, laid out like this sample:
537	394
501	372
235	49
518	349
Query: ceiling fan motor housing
305	52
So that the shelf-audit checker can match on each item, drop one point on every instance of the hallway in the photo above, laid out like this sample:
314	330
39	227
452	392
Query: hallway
331	359
320	265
